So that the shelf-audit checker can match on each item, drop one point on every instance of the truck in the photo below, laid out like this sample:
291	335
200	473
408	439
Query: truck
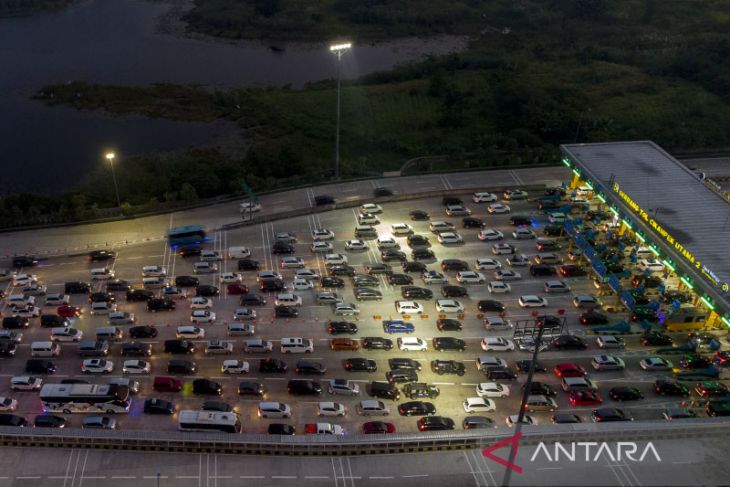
323	429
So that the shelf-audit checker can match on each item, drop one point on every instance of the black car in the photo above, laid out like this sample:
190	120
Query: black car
179	346
499	373
219	406
435	423
49	421
416	408
8	349
15	322
252	300
340	270
304	387
331	281
118	285
593	318
422	254
143	331
419	215
449	344
190	251
692	361
135	349
403	364
249	388
413	266
207	387
207	291
490	305
286	311
182	367
281	429
540	389
310	367
159	406
340	327
565	418
401	376
271	284
386	255
654	338
324	199
365	280
101	255
380	192
75	381
39	366
454	265
420	390
377	268
54	321
625	394
102	297
360	365
471	222
160	304
542	270
477	422
569	342
396	279
282	248
76	287
418	241
272	365
415	292
140	295
377	343
552	230
187	281
519	220
524	366
604	415
248	265
442	367
451	200
644	314
367	293
24	261
451	291
449	324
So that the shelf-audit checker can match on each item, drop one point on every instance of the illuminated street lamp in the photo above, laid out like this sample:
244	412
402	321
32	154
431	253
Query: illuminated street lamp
110	157
338	50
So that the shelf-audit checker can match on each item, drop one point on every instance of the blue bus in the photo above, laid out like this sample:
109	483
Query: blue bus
192	234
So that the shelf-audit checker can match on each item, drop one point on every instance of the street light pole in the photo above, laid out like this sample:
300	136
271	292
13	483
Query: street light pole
338	50
110	157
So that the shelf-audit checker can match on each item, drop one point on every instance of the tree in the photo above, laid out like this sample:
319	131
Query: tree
188	192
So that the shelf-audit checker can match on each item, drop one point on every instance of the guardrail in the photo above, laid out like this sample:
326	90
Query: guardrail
323	445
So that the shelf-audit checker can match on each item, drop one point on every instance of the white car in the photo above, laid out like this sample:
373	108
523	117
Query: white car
408	307
401	229
355	245
367	219
329	408
136	367
517	260
306	274
291	263
495	287
231	278
656	363
174	292
492	389
343	387
433	277
653	265
335	259
532	301
8	404
523	234
497	208
66	334
27	312
267	275
97	366
101	274
586	301
249	206
557	217
24	279
57	299
371	208
322	234
502	248
218	347
610	341
526	420
457	210
244	314
153	271
484	197
479	405
450	238
497	344
191	332
515	194
35	289
321	246
235	367
440	226
25	383
288	299
607	362
490	234
470	277
507	275
301	284
387	242
497	322
345	309
202	316
204	267
413	344
449	306
555	286
199	302
488	264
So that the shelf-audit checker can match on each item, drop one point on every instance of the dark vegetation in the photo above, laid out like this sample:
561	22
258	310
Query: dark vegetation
24	7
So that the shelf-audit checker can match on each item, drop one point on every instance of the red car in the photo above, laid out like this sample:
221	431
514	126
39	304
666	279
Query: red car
571	270
68	311
378	427
584	398
569	370
237	289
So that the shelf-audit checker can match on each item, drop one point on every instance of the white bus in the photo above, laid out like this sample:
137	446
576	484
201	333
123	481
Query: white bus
209	421
85	398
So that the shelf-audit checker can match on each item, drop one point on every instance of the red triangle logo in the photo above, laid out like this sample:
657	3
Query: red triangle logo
512	442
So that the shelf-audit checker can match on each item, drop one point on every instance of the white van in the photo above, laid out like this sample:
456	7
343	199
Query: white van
121	318
157	282
269	409
101	273
297	345
66	334
20	301
102	308
153	271
236	328
210	256
204	267
239	252
45	349
110	333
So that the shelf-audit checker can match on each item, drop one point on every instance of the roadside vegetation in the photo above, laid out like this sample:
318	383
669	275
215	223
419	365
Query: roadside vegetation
25	7
569	70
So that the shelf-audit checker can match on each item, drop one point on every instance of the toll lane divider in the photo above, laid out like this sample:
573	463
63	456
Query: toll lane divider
325	445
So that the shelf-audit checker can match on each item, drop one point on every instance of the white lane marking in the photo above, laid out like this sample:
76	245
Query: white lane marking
415	475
